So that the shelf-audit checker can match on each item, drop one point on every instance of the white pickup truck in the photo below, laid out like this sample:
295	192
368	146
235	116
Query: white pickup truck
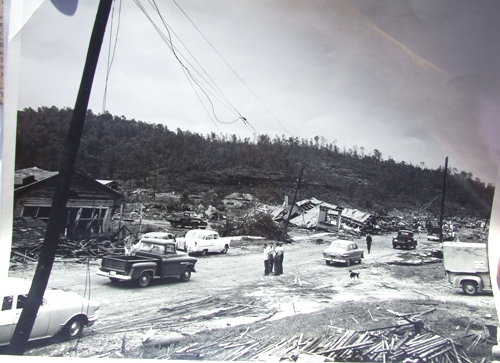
466	265
203	241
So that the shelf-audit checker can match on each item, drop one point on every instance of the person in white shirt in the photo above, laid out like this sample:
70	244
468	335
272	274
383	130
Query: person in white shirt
266	259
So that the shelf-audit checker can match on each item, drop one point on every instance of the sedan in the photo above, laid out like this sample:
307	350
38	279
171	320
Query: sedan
60	312
344	252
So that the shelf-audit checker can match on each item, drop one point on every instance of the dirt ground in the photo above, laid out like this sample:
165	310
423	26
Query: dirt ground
229	298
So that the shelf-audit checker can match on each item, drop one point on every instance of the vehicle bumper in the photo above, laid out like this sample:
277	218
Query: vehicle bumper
91	320
335	259
114	275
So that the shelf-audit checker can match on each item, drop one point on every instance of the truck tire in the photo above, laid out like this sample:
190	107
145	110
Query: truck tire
469	287
186	275
144	279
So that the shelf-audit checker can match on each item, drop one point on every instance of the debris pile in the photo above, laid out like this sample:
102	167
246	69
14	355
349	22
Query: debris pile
406	342
254	224
66	248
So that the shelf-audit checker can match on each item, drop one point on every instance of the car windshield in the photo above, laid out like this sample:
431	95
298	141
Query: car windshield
151	247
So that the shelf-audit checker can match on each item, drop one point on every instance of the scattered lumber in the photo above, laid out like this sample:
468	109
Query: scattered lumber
397	343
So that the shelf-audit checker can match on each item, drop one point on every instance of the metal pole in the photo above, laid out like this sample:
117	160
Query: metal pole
58	209
442	201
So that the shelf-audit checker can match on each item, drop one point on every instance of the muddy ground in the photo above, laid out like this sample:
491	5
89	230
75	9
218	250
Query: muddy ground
229	298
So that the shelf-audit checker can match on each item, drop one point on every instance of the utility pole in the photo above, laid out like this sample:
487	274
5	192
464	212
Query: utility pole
58	209
442	201
283	237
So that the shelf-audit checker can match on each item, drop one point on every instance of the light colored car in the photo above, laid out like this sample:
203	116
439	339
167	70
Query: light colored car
343	251
151	237
203	241
60	312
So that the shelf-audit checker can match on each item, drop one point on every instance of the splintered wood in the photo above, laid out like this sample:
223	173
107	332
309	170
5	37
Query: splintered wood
398	343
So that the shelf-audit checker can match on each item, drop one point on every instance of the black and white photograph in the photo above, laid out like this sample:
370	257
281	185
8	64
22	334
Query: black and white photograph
252	180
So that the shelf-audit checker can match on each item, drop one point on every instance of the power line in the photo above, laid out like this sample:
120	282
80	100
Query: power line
191	78
242	81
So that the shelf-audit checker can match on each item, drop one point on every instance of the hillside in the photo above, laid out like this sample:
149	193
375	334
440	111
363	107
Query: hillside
143	155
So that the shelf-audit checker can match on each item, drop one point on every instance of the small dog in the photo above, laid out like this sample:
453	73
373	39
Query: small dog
354	275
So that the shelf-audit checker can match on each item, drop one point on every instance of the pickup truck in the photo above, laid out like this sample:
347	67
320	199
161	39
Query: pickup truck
153	259
466	265
404	239
187	219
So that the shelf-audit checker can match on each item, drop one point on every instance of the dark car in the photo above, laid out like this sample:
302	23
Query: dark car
404	239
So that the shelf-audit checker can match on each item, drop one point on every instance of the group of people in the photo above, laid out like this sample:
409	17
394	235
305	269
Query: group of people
273	258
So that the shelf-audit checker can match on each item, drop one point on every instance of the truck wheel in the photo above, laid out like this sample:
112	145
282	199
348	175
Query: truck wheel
204	253
469	287
144	279
224	250
74	328
186	275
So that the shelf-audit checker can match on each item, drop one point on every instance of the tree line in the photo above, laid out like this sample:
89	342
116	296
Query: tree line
144	155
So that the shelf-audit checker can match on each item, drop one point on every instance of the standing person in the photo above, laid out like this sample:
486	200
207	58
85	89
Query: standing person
272	254
278	269
266	259
368	242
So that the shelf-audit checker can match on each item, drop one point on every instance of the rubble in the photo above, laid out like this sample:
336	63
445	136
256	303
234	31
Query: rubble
404	342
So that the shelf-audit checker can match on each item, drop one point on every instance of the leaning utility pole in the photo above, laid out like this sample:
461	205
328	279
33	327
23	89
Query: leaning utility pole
442	201
58	209
283	237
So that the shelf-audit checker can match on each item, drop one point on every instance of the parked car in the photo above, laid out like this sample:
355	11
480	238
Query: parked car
157	236
343	251
154	258
187	219
60	312
203	241
404	239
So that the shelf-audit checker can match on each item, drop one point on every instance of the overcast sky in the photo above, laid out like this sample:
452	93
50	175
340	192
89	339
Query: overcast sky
417	80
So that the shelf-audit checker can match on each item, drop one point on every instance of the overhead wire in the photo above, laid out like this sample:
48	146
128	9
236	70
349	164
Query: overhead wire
231	68
216	93
111	56
172	48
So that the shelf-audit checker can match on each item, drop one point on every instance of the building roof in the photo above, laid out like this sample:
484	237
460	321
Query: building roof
30	177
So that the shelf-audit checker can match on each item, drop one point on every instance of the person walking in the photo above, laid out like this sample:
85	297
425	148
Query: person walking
266	259
272	254
368	242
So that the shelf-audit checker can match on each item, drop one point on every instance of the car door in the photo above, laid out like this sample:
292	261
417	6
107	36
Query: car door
356	252
209	242
170	262
7	319
42	320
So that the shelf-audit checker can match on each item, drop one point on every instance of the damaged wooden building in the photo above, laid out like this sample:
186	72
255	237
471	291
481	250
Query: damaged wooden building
90	205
